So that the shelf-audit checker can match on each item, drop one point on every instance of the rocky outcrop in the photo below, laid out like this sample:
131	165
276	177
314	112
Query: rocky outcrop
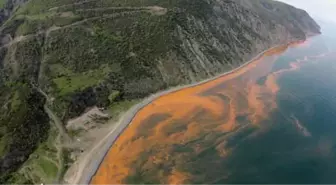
9	7
204	38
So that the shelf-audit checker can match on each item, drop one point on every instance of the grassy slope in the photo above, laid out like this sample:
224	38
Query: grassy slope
81	53
23	127
72	59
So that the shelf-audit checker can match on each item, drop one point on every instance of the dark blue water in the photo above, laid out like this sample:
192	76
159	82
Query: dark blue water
288	153
273	121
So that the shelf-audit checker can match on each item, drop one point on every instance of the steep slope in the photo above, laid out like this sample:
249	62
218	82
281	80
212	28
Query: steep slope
7	7
100	52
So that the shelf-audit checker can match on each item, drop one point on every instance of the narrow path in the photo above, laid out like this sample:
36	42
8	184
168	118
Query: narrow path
62	137
59	142
60	157
69	5
18	39
152	9
131	8
53	28
58	123
50	160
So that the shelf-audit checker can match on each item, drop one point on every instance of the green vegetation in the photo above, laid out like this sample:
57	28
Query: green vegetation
42	22
16	101
32	26
72	82
67	161
49	168
3	144
117	108
2	3
18	178
25	125
44	161
106	53
42	6
114	94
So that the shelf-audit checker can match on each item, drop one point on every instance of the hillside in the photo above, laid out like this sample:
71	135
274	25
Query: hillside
68	55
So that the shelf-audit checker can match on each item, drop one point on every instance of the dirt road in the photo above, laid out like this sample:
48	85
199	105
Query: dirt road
87	166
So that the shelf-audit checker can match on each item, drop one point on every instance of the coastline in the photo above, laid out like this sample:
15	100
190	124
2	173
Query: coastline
93	159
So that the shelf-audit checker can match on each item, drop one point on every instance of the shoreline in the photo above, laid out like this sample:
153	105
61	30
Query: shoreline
96	155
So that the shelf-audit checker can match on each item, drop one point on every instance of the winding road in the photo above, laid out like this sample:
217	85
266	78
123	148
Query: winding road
89	164
152	9
63	134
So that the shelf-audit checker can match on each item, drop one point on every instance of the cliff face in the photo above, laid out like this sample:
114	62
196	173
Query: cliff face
8	8
233	32
83	52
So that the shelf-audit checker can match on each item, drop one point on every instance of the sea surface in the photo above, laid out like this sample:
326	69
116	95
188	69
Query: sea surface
272	121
